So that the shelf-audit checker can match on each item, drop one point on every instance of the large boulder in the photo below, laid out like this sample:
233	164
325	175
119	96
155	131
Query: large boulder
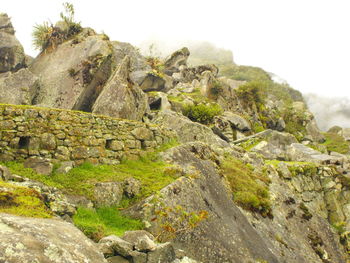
177	59
27	240
139	67
72	75
12	55
189	131
18	87
120	97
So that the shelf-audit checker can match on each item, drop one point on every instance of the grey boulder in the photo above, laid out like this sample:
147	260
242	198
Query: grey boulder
27	240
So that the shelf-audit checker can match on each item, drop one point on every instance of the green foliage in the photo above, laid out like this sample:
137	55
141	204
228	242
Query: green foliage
104	221
45	35
252	92
295	122
336	143
250	189
202	113
157	66
340	227
22	201
249	144
245	73
152	173
297	168
215	89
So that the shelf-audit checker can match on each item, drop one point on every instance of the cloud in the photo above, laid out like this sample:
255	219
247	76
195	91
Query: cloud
329	111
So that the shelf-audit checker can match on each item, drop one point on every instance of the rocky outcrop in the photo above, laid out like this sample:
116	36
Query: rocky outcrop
189	131
177	59
121	98
72	75
27	240
18	87
12	55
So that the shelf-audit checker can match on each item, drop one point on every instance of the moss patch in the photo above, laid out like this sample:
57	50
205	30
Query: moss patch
104	221
250	189
22	201
296	168
336	143
202	113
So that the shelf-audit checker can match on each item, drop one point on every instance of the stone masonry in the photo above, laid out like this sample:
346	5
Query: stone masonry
27	131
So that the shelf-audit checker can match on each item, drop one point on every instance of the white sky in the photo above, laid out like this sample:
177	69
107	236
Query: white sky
306	42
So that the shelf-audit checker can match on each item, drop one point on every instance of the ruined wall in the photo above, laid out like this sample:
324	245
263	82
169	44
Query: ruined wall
27	131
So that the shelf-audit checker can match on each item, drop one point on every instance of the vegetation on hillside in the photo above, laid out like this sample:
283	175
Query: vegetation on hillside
336	143
201	112
250	188
104	221
22	201
47	35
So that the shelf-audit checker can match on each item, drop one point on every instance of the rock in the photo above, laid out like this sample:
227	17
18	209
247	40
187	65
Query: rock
142	134
131	187
12	56
185	260
6	25
177	59
159	101
237	121
40	165
139	67
108	194
73	73
48	141
117	259
133	236
57	202
120	98
187	130
280	125
145	244
65	167
163	253
113	245
18	87
314	132
138	257
5	173
301	153
27	240
153	82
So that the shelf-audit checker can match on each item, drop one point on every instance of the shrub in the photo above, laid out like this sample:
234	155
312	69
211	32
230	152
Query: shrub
215	89
45	35
202	113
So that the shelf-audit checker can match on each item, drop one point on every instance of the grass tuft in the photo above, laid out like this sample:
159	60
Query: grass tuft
104	221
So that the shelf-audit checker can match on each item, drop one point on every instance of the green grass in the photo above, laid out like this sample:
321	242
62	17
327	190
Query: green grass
336	143
250	189
104	221
152	173
249	144
22	201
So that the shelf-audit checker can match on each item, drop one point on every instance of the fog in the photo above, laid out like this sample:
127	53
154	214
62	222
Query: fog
329	111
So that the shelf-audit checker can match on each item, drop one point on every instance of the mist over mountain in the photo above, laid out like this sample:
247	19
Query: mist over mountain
329	111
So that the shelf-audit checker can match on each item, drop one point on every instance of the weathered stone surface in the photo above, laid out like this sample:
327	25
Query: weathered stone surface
27	240
139	67
162	253
145	244
177	59
108	194
187	130
18	87
65	167
120	98
237	121
131	187
40	165
117	259
6	25
113	245
133	236
5	173
72	74
11	53
65	135
314	132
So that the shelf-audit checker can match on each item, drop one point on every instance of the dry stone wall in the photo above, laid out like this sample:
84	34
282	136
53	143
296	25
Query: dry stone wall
27	131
